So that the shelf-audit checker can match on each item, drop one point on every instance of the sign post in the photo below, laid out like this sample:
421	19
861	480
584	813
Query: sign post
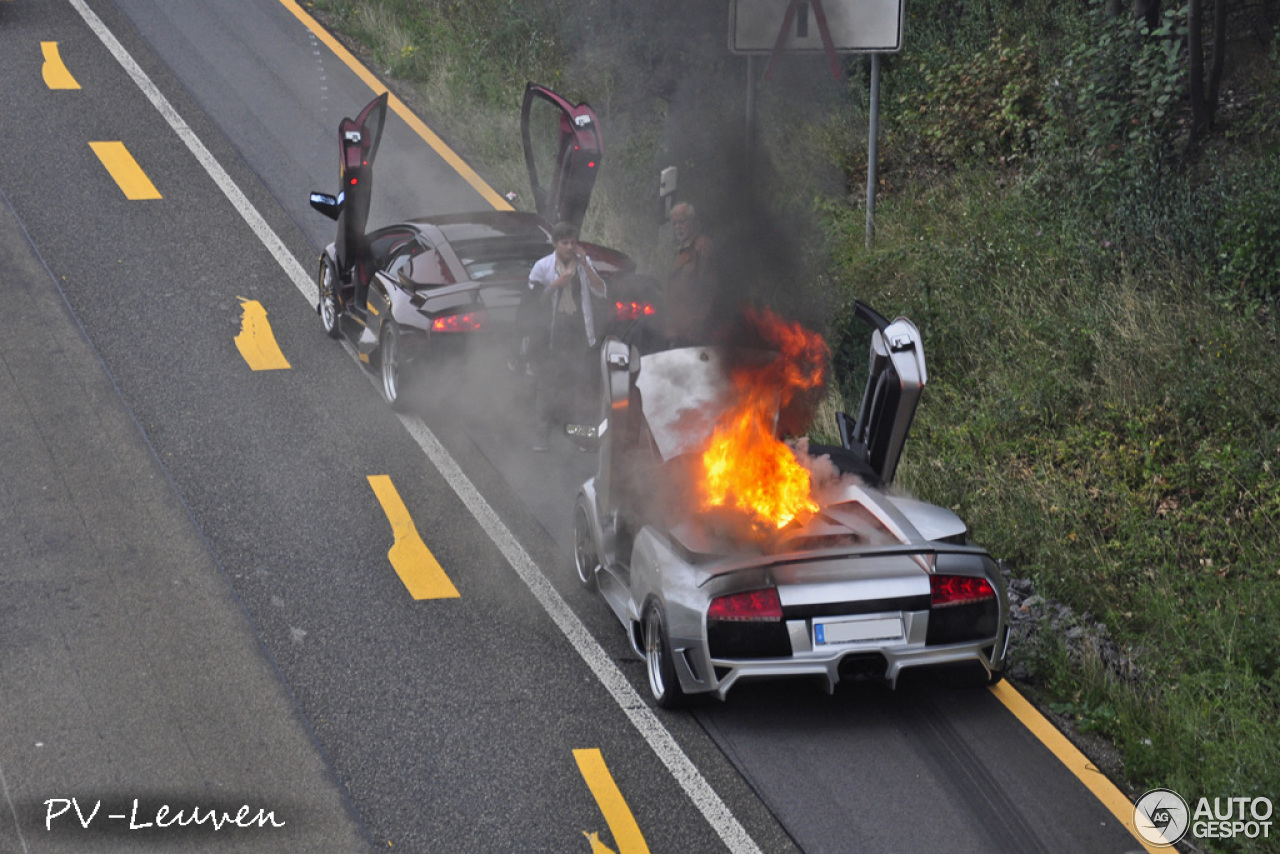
838	26
873	149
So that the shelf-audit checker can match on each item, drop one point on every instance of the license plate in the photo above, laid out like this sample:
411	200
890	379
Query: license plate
856	630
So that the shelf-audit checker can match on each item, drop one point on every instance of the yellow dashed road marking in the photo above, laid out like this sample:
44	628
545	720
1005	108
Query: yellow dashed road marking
56	75
597	847
622	824
256	342
1077	763
398	107
125	170
412	560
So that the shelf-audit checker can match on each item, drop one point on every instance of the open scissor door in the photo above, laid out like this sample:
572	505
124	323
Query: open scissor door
891	358
358	140
562	150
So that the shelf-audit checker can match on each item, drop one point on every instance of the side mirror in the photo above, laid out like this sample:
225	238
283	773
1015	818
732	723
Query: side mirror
618	362
328	205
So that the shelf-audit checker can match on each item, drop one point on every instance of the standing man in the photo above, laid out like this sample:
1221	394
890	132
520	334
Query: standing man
690	288
566	280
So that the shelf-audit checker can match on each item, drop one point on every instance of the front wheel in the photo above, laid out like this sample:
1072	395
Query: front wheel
327	282
663	682
390	370
584	549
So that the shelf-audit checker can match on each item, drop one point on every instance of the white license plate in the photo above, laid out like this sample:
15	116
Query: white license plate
856	630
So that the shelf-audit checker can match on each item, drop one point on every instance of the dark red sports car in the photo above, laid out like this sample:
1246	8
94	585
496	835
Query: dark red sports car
426	286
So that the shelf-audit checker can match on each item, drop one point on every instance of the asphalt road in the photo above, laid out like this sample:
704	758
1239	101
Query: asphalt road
197	599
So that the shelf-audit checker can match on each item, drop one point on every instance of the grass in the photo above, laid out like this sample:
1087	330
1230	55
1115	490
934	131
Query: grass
1104	397
1115	439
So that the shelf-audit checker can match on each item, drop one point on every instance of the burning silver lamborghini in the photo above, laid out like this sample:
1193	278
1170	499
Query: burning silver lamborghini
729	554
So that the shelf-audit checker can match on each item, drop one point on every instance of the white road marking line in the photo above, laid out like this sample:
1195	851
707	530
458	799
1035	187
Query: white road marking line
219	175
632	704
642	717
8	799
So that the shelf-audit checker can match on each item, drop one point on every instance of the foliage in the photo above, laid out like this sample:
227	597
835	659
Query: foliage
1249	232
1115	439
1115	97
987	106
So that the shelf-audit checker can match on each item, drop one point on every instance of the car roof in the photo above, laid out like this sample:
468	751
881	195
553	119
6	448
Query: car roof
486	225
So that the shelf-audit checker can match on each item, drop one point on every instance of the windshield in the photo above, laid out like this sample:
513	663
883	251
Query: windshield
500	258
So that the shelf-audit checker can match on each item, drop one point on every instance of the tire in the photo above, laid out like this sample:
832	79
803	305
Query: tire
967	677
584	549
327	307
390	371
664	685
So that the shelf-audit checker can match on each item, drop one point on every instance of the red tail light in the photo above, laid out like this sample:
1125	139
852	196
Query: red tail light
632	310
945	590
761	604
469	322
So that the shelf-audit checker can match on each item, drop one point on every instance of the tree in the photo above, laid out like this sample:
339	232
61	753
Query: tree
1147	10
1204	99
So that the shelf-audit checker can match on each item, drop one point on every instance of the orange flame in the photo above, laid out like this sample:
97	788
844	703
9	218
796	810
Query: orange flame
745	466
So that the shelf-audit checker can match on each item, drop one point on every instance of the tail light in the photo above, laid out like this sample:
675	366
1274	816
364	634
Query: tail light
947	590
762	604
471	321
632	310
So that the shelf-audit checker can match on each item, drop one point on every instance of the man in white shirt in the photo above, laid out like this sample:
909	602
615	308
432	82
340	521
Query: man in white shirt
566	280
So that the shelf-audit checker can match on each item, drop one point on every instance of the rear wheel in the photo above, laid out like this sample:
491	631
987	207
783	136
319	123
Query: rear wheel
327	282
584	549
663	682
389	368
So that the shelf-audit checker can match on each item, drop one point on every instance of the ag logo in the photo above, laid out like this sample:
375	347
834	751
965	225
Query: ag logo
1161	817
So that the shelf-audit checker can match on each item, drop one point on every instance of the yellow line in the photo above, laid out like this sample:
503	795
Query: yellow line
622	824
125	170
54	71
1077	763
490	195
256	343
412	560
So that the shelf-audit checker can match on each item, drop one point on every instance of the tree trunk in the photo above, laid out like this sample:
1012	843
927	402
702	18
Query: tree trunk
1204	104
1195	50
1148	10
1219	55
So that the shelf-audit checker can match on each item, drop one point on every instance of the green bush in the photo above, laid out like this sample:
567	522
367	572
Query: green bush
1249	232
987	106
1115	95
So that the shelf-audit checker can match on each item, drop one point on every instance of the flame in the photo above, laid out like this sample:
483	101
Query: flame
745	466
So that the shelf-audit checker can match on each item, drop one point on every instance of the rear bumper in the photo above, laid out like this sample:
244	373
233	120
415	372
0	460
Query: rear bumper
700	673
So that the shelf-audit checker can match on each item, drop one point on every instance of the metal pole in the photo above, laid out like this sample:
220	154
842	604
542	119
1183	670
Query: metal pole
873	149
751	105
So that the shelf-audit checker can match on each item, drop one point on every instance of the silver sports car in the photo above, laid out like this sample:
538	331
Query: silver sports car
857	580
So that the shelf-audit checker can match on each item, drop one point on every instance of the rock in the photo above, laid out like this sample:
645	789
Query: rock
1086	638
